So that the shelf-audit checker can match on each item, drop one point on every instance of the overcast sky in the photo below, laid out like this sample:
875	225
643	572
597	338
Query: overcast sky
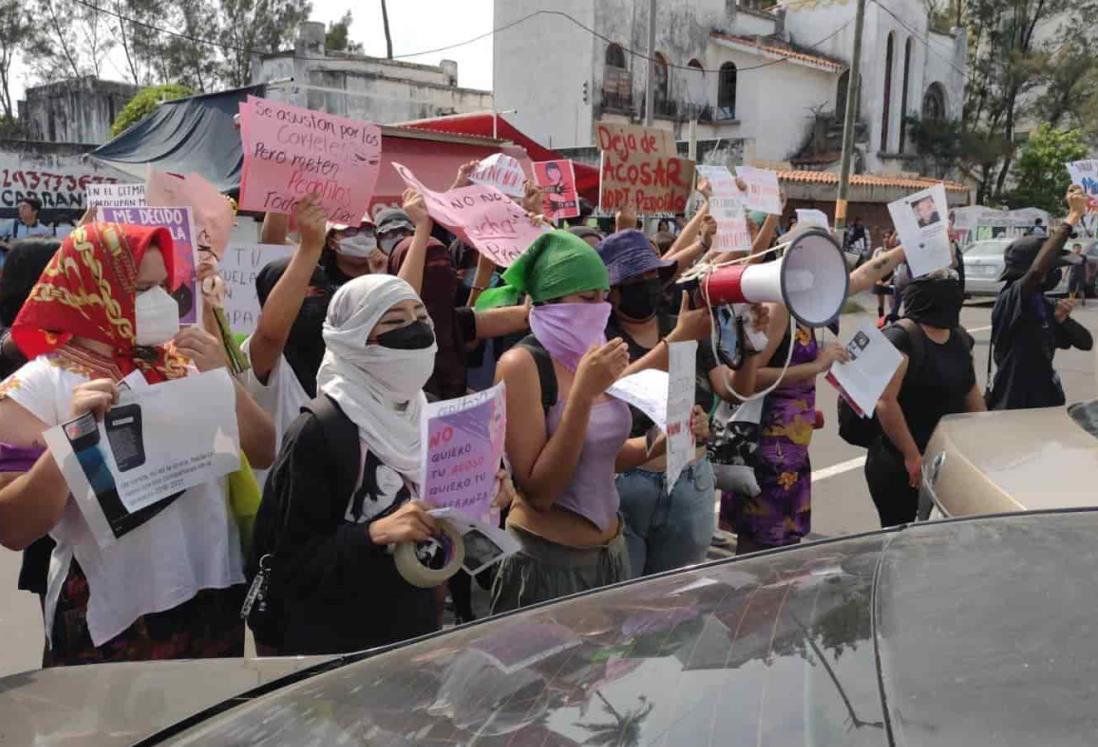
416	25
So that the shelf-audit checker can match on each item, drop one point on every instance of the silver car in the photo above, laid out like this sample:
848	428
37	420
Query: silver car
984	265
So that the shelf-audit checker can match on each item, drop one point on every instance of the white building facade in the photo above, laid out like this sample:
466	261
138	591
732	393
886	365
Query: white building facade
762	86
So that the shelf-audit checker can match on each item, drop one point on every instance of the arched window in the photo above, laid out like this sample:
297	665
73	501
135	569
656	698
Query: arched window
934	103
903	95
662	82
726	91
615	57
694	77
886	109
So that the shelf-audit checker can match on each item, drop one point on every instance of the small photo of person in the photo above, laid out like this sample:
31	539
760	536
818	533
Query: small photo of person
925	212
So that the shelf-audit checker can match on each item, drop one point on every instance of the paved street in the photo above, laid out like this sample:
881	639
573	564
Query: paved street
841	501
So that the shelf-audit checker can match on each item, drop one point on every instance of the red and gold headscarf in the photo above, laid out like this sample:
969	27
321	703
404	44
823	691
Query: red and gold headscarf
88	290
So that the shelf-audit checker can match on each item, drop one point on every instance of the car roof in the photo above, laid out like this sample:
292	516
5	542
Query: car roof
976	632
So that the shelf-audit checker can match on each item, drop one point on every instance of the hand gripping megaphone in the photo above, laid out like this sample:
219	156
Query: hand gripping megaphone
810	279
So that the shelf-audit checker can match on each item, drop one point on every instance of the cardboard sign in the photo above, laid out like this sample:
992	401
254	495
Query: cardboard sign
1085	175
763	192
481	216
462	446
873	363
813	217
640	170
213	214
922	222
290	152
239	267
557	179
117	195
727	208
682	362
148	448
180	221
502	172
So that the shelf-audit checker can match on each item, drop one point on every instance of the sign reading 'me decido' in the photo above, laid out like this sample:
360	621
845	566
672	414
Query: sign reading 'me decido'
640	170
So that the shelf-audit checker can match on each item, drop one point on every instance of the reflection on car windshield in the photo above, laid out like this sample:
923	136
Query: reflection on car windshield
776	649
987	249
1086	415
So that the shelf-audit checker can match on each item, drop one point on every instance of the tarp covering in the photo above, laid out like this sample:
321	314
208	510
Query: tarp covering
192	135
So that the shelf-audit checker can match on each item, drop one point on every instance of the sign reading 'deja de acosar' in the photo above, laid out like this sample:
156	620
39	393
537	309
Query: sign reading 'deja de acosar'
290	152
640	170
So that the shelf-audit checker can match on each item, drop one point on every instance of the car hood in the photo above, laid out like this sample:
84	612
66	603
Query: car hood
119	704
1033	459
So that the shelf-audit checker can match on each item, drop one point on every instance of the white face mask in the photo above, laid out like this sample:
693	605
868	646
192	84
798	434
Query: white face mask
402	374
358	246
156	316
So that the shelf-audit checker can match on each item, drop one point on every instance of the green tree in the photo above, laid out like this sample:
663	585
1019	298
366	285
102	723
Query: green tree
18	33
253	27
1039	172
337	39
143	104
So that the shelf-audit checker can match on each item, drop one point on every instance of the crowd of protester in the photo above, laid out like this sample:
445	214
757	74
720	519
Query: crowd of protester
361	327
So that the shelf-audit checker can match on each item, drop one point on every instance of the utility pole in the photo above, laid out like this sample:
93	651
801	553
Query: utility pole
650	83
853	93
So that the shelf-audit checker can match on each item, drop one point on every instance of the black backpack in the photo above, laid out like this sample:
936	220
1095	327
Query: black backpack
547	377
859	431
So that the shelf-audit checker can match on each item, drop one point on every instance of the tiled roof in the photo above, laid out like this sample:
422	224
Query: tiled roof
773	48
868	180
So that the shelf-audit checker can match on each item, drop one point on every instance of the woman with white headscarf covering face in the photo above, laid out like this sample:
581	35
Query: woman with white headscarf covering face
328	519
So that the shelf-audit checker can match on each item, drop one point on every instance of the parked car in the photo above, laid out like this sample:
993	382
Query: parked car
1017	460
984	265
972	632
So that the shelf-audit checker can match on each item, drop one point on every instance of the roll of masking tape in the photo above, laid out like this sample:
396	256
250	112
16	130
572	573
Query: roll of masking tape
431	564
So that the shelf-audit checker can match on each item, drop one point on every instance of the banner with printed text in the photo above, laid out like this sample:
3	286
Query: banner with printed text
640	170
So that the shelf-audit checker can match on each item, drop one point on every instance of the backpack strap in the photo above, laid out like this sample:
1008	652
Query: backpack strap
547	376
917	337
340	437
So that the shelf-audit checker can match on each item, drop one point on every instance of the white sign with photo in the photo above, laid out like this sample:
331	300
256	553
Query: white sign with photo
682	363
922	222
873	363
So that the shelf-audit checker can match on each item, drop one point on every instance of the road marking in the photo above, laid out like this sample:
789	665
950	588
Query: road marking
974	330
838	469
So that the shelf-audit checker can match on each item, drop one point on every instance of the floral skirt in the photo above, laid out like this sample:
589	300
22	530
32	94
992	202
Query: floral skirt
206	626
782	513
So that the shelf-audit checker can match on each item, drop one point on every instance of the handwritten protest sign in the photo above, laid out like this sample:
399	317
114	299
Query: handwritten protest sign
1085	174
462	445
147	448
502	172
213	214
645	390
763	192
290	152
873	362
921	220
641	171
682	357
482	216
118	195
239	267
726	207
180	222
557	179
812	217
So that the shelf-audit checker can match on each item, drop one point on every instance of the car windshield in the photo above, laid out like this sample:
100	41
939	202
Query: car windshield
1085	415
771	650
986	249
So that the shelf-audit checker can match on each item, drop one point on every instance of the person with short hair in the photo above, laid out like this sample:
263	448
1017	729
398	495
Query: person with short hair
1077	276
27	225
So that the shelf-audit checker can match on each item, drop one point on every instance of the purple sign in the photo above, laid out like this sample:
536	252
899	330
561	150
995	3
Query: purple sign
462	446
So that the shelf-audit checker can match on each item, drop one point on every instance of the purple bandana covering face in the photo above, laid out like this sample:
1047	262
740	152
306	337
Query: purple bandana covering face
567	330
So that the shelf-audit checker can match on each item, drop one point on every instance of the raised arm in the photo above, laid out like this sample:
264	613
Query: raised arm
1034	279
412	270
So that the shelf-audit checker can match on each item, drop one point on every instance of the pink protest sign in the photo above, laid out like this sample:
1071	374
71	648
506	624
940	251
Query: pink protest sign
481	216
462	446
290	152
557	180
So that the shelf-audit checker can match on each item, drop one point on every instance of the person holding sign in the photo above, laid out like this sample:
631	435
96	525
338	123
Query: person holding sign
563	433
171	587
936	377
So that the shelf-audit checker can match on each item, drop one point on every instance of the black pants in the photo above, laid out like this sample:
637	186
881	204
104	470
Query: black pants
896	501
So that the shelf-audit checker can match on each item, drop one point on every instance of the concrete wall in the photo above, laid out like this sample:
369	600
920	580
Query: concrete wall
80	110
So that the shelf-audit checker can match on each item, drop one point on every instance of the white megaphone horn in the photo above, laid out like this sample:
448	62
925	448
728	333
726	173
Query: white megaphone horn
810	279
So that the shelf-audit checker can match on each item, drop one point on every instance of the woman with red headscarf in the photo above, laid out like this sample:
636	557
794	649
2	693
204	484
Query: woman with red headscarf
173	586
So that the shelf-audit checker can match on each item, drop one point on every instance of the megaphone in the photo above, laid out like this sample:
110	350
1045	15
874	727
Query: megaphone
810	279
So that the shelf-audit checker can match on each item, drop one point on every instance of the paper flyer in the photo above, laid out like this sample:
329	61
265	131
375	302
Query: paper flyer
763	192
682	362
922	221
647	391
873	363
726	205
153	445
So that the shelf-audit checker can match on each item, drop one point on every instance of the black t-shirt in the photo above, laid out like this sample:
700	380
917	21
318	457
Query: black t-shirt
703	392
941	384
1025	337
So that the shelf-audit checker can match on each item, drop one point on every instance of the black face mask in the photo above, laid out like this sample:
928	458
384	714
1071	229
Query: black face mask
305	345
416	336
640	300
936	303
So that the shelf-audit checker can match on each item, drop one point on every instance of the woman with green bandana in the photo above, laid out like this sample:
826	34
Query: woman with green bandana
563	432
